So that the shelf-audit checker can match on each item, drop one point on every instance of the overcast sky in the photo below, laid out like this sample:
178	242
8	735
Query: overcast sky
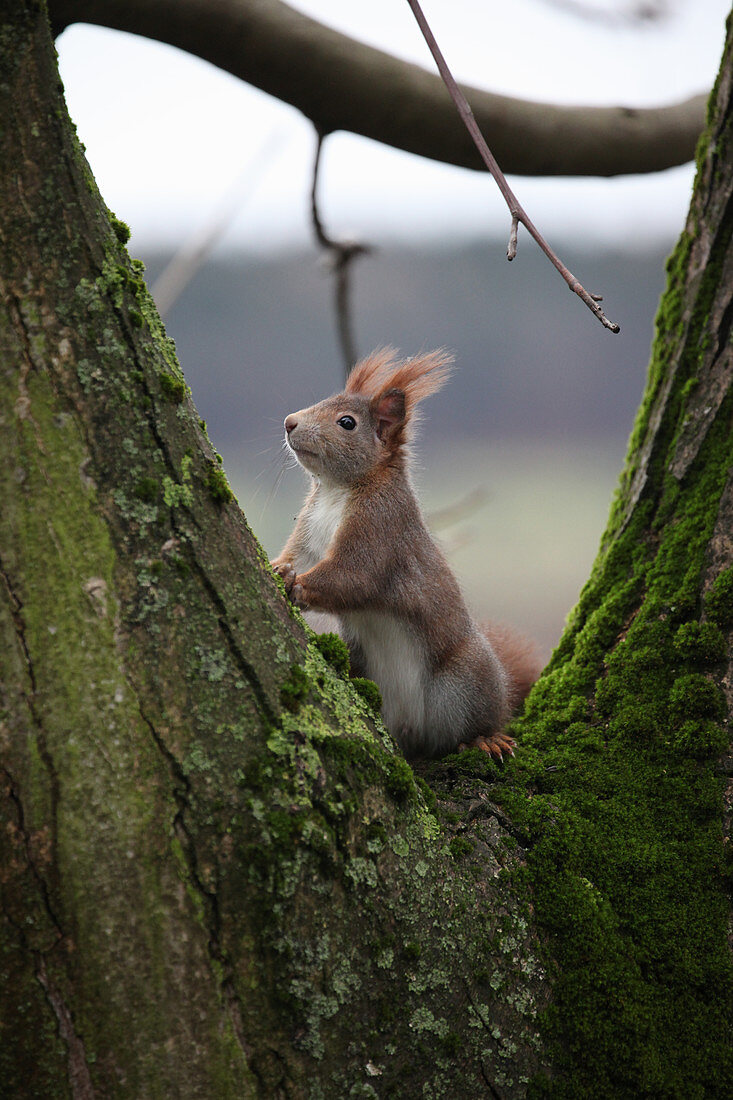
184	143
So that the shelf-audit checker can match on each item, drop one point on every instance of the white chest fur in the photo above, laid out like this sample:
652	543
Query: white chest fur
323	520
395	659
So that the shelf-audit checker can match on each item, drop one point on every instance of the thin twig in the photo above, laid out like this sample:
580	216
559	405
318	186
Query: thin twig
343	253
515	208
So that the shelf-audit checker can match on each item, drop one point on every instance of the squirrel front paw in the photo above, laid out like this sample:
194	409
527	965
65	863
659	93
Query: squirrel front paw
287	574
297	595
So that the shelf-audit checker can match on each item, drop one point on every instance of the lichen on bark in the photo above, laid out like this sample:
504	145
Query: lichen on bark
229	863
220	878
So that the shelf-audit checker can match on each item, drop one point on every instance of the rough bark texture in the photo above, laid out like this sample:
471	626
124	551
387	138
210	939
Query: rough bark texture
626	740
218	878
342	84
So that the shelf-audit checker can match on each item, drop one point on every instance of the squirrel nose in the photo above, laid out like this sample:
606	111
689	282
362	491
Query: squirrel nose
290	423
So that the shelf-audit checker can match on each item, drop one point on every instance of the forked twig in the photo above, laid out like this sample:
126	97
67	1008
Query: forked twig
343	253
515	208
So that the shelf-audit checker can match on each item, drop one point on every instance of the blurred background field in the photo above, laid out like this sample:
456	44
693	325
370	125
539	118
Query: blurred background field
527	440
532	514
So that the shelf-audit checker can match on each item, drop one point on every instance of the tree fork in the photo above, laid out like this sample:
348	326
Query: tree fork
218	877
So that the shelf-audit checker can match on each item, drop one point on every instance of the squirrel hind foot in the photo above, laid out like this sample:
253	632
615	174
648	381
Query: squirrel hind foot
495	744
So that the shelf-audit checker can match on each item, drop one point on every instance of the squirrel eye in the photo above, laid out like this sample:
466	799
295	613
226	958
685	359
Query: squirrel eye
347	423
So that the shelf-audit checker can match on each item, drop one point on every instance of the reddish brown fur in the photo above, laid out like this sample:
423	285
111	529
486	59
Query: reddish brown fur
520	656
360	550
417	378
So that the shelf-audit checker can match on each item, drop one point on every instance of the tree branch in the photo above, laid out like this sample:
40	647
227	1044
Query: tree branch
342	84
515	208
342	255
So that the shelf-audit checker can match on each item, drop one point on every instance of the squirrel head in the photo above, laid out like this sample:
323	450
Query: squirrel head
345	438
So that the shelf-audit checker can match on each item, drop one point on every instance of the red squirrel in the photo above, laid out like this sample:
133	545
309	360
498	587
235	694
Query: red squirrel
361	551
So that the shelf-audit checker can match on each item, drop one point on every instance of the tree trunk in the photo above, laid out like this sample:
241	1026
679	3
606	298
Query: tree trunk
218	877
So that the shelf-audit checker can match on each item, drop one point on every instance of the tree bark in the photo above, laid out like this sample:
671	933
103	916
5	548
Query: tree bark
218	877
342	84
626	741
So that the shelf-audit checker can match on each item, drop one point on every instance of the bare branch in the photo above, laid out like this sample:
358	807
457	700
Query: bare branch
637	13
341	84
342	255
515	209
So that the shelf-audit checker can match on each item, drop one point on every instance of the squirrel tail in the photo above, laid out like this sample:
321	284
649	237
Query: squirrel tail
519	655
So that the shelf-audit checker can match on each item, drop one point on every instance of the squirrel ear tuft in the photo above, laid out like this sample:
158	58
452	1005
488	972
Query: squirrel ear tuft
421	376
389	412
369	374
417	377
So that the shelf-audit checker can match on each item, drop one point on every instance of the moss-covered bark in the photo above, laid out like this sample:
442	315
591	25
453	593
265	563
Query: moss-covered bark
626	740
218	877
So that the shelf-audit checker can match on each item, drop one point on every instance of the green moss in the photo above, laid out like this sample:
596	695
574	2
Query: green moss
690	385
369	692
625	854
121	229
399	780
295	689
333	650
694	696
640	723
700	643
217	484
472	762
174	388
719	600
428	794
700	739
460	846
